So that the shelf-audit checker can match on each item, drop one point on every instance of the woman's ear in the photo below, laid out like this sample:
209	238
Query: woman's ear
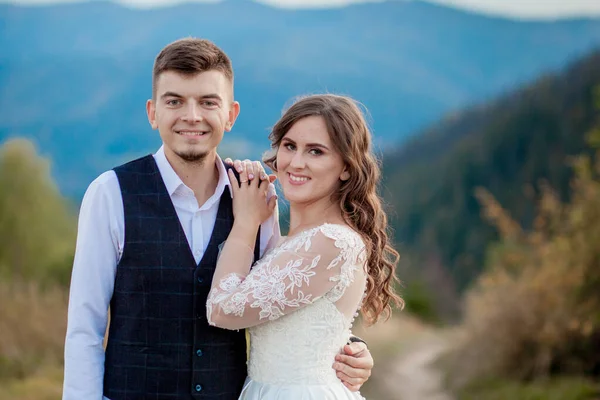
345	175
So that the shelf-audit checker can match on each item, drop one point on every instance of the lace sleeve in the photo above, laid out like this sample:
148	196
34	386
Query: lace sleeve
291	276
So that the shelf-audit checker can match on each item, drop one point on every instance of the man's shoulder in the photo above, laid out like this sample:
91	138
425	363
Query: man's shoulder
137	164
106	183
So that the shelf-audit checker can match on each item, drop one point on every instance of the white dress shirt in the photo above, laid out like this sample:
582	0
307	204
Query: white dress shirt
100	241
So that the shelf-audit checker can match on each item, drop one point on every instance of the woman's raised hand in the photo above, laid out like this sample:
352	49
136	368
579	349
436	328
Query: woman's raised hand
250	203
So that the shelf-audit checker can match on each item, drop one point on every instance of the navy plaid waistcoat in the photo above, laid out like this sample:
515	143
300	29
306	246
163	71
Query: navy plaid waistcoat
160	345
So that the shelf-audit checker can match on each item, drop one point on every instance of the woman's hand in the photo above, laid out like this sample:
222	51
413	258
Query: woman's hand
250	205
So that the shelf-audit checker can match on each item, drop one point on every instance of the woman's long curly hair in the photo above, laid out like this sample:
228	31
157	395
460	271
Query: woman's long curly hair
360	204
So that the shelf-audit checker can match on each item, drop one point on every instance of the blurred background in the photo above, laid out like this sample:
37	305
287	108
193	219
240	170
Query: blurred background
485	113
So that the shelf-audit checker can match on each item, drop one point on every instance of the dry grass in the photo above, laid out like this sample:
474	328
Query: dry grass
33	325
534	312
46	384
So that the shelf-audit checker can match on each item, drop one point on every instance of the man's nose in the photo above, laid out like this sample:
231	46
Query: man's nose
193	113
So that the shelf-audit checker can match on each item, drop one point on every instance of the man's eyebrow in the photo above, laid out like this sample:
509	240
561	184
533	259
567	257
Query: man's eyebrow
204	96
211	96
170	94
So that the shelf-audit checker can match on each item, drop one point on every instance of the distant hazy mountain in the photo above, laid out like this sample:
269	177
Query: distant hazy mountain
75	77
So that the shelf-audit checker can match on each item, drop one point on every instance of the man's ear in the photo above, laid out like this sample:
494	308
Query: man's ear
151	112
234	111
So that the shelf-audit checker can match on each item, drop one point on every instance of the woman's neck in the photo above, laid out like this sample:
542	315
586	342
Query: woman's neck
308	215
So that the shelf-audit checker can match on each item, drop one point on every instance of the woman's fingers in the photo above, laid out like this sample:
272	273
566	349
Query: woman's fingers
235	186
244	173
260	171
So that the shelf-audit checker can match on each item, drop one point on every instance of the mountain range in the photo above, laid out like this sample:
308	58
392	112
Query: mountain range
75	77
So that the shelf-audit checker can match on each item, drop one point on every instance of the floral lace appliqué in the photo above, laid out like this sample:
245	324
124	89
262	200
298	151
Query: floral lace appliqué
271	288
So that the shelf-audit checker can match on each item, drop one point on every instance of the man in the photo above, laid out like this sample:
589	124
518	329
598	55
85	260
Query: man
148	240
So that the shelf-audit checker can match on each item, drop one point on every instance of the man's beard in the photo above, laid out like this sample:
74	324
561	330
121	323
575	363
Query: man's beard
192	156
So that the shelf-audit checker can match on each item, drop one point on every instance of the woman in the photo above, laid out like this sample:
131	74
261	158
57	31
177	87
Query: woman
301	298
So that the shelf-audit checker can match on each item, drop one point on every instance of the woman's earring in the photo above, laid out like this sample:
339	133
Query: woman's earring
345	176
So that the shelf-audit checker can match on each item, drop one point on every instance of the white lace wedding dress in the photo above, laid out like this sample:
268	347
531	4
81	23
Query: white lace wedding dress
299	301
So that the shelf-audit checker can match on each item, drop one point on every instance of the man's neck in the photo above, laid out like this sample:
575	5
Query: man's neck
202	176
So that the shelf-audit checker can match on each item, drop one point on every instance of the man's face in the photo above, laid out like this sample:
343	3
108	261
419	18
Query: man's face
192	112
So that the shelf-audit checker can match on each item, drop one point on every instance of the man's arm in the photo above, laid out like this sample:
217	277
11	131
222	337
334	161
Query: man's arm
92	283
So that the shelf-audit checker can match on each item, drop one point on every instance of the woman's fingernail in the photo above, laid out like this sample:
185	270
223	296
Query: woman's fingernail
250	176
239	169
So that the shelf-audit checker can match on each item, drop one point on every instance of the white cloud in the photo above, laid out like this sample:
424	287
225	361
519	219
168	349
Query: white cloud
529	8
510	8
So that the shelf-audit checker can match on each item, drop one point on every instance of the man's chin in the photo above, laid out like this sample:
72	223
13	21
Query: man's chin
192	156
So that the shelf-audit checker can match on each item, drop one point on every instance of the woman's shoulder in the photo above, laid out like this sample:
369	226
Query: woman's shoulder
327	237
343	240
340	232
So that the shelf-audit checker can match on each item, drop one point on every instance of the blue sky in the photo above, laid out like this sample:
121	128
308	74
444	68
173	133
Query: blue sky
511	8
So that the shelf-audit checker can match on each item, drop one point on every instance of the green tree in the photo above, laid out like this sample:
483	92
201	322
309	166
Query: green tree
37	226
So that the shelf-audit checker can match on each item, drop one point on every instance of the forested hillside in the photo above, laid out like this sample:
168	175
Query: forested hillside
508	147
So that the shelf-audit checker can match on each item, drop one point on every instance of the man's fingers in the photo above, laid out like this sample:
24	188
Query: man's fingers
354	367
228	161
355	362
237	164
348	380
353	388
249	168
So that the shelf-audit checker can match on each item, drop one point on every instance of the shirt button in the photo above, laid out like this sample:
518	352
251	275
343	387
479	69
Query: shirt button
198	388
200	279
199	353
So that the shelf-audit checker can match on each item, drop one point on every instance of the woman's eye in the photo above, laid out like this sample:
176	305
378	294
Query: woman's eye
315	152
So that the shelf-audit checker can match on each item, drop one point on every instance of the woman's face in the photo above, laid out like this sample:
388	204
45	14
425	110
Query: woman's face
309	167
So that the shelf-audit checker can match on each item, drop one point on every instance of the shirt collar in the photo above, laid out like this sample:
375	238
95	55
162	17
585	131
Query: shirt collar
173	181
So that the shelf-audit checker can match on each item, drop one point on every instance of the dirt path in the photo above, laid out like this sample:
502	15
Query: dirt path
404	349
412	375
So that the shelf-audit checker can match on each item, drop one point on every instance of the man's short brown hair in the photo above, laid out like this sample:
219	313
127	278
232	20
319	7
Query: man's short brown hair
191	56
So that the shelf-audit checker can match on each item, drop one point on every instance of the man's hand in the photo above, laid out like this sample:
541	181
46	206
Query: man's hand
354	365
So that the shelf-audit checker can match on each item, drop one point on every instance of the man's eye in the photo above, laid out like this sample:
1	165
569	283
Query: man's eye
173	102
